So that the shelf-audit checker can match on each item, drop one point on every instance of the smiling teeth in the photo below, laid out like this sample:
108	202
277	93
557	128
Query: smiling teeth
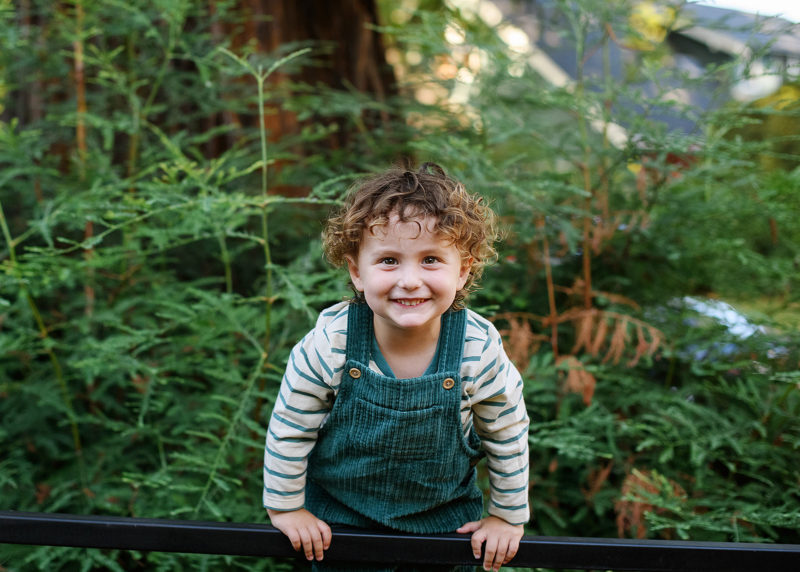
410	302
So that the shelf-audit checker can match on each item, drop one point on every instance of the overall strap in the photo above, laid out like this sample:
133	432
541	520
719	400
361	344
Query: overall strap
451	340
359	332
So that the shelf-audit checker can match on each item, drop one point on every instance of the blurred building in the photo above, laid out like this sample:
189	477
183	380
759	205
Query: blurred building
765	52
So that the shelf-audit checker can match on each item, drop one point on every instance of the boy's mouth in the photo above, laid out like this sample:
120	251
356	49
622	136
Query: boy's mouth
407	302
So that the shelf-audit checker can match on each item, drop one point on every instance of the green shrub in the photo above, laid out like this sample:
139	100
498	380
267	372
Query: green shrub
156	271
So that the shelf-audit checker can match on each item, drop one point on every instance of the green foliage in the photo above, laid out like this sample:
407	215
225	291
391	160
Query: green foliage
153	280
144	320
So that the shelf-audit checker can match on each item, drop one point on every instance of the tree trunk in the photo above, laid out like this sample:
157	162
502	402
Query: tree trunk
349	56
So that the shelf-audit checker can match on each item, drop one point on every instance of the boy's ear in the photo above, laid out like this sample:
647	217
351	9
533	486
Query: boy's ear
463	275
355	276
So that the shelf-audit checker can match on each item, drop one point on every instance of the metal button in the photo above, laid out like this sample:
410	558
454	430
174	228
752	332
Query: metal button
355	373
448	383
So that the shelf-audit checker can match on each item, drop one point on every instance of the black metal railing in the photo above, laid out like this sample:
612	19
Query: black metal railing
358	546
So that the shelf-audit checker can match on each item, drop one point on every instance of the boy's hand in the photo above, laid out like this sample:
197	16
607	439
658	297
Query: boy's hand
502	540
304	530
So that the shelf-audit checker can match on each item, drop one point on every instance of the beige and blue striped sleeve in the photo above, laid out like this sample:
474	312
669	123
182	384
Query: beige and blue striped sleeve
493	387
304	401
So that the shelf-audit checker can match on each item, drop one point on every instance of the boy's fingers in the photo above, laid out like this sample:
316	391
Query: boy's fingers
312	543
320	539
325	531
468	527
308	546
319	547
477	541
304	531
489	554
294	538
513	547
319	544
499	557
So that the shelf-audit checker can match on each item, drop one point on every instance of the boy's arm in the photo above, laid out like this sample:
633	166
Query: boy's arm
291	436
502	423
501	420
501	538
304	401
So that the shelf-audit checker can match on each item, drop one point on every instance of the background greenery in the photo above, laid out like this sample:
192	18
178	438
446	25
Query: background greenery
158	264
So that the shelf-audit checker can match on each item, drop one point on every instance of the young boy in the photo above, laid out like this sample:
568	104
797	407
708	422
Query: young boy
389	402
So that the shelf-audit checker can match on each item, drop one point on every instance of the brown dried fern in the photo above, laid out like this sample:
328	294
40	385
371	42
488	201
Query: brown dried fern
576	379
600	334
519	340
597	332
619	341
634	504
609	332
577	291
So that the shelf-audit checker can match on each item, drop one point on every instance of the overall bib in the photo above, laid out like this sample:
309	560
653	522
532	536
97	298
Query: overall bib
393	452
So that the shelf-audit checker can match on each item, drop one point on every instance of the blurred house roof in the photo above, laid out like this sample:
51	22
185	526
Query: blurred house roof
776	36
768	48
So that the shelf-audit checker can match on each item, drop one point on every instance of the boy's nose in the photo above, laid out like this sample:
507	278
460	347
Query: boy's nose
409	279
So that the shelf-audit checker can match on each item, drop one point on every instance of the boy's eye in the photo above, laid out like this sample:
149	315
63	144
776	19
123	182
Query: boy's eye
430	260
388	260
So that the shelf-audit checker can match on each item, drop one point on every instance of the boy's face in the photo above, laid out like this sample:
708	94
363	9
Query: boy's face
408	273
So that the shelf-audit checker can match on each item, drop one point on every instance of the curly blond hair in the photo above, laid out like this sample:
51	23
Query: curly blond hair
461	217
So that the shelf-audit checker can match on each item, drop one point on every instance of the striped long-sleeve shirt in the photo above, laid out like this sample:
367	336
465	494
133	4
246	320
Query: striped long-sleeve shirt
491	401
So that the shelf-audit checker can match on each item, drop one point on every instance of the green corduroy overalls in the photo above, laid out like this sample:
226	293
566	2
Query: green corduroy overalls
392	453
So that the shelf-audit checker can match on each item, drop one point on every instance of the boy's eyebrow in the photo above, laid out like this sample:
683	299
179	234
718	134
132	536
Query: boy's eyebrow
393	248
386	248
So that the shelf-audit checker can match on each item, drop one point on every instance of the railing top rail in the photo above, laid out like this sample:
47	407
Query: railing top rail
358	546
